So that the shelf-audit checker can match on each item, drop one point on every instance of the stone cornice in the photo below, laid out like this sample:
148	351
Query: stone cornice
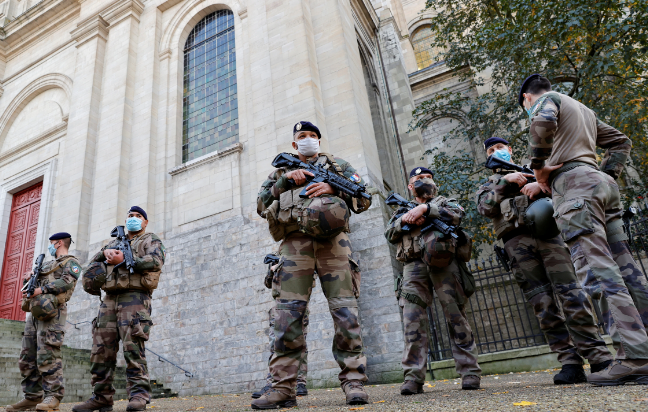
122	9
233	149
32	144
366	13
90	28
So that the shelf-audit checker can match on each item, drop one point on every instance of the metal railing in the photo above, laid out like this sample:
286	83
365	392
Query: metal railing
498	313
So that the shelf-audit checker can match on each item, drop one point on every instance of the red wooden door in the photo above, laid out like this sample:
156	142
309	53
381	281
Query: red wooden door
19	250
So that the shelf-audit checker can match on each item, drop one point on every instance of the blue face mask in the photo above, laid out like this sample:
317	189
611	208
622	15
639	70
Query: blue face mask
133	224
503	154
52	250
530	111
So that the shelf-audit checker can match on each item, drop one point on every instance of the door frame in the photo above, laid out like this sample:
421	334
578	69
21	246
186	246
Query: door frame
46	173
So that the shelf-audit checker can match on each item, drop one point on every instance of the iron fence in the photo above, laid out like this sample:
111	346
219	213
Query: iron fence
498	313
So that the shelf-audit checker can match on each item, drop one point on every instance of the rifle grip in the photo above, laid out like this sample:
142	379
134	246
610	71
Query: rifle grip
303	194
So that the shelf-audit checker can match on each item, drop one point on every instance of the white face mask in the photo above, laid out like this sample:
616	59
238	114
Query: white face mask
308	146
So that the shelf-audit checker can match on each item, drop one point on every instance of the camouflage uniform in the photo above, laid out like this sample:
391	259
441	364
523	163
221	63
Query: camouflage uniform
125	314
303	359
544	271
588	211
40	362
415	295
301	254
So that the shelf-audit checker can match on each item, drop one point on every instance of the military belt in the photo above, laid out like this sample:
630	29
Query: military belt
522	230
124	291
412	298
567	167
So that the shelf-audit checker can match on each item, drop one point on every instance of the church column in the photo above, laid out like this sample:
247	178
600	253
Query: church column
112	175
78	161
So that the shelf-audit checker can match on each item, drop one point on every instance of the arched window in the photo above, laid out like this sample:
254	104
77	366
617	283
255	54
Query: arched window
209	104
422	40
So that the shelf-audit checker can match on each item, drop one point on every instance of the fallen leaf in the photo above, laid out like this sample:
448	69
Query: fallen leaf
499	393
355	409
446	395
640	399
379	402
524	403
431	386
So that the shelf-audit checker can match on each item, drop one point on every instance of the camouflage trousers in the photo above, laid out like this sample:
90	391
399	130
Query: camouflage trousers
40	362
125	317
545	273
415	297
303	368
292	286
588	211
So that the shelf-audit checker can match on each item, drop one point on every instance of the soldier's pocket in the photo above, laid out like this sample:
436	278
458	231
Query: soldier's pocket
574	219
53	336
141	325
276	278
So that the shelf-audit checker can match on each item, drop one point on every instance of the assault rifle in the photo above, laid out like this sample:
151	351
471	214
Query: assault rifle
502	257
628	214
124	246
502	166
31	286
339	183
430	223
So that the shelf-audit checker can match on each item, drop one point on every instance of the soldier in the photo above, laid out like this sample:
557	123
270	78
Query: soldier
313	234
41	365
414	292
303	359
124	314
544	271
562	143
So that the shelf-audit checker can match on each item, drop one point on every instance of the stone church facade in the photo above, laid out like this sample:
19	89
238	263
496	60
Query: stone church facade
179	106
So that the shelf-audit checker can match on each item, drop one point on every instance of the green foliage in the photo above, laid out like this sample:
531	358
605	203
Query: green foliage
591	50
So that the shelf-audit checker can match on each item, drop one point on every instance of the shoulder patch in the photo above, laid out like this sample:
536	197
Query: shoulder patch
354	177
75	269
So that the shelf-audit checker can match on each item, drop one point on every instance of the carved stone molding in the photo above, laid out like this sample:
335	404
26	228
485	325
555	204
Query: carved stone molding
122	9
243	13
165	54
210	157
90	28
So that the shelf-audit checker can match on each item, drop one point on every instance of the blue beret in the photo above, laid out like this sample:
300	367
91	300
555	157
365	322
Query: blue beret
138	210
419	171
60	235
304	126
494	140
525	86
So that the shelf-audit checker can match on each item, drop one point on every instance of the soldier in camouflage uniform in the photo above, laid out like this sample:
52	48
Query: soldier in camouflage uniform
41	365
125	314
313	235
562	146
414	290
544	271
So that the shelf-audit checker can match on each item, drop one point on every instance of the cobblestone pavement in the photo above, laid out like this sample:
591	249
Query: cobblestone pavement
528	391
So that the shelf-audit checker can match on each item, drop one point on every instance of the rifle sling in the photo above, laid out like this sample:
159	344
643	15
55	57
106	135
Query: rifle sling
60	264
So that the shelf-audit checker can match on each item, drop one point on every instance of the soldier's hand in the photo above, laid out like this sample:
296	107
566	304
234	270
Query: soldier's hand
517	177
415	215
115	257
319	189
542	176
37	292
532	190
299	176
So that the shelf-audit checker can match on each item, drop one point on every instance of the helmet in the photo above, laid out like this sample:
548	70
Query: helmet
539	219
44	306
94	277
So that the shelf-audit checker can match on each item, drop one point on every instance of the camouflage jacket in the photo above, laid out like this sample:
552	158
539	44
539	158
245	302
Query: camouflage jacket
65	275
152	256
492	193
563	130
277	183
442	208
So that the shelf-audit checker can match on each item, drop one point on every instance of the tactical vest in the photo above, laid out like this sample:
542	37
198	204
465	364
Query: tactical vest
411	244
121	280
55	273
512	210
322	217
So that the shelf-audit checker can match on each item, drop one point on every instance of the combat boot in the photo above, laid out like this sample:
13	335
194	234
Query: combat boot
50	403
273	399
597	367
469	382
93	404
621	371
355	393
570	374
260	392
136	404
411	388
301	389
24	405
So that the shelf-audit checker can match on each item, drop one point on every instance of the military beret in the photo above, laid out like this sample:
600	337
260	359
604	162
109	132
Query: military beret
304	126
60	235
419	171
525	86
138	210
494	140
